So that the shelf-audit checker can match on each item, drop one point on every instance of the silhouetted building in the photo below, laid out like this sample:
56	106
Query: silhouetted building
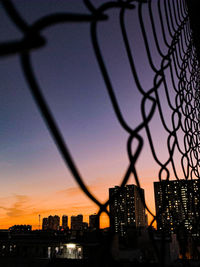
65	222
77	222
94	221
51	223
126	208
84	226
178	206
45	224
21	228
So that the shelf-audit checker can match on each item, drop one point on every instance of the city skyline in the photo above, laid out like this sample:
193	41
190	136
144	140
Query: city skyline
176	202
32	171
125	206
99	115
34	178
87	218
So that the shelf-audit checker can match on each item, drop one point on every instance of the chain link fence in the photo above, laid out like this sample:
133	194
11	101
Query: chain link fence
172	57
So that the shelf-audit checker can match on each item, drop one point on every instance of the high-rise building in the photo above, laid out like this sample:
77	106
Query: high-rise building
51	223
178	206
126	208
45	224
94	221
56	225
77	222
65	222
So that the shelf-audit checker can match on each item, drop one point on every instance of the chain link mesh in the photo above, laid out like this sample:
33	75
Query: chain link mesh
175	79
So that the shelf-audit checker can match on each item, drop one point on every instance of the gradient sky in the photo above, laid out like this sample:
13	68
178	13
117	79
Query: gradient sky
34	178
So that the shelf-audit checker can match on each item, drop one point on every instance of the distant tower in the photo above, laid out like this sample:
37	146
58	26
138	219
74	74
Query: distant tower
64	222
45	224
56	223
77	222
39	221
94	221
51	223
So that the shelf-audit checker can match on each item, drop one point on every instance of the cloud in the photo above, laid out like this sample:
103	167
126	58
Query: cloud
72	191
24	209
76	191
18	208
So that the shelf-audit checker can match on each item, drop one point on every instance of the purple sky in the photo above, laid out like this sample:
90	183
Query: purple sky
68	73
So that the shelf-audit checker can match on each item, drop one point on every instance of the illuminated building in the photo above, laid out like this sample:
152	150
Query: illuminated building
178	206
126	208
37	246
64	222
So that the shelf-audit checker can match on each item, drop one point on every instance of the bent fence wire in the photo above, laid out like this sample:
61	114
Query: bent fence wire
176	75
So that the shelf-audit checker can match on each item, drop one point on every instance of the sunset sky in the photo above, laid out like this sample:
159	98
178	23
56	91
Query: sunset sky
34	178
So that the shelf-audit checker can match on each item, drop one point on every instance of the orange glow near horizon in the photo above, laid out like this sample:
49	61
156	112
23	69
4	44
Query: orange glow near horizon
22	209
62	196
35	180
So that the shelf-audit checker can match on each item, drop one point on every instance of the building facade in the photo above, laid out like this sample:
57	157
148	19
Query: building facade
77	222
126	208
178	206
45	224
64	222
51	223
94	221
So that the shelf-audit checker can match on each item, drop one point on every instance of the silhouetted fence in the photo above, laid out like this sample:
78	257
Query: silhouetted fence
172	58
